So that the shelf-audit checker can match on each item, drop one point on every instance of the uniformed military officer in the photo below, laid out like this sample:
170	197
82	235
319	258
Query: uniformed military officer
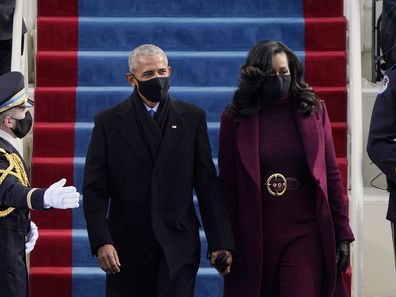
17	233
381	144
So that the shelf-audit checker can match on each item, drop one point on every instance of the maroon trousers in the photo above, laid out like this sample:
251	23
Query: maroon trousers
293	264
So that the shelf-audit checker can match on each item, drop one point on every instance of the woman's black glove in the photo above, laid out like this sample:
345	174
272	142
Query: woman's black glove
342	255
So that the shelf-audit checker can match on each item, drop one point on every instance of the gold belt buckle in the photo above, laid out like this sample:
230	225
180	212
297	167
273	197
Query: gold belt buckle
276	184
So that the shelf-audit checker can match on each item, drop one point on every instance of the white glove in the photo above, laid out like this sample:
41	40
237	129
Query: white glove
31	238
58	196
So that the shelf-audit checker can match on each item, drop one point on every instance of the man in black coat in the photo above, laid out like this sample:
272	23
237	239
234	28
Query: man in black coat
381	143
145	157
18	234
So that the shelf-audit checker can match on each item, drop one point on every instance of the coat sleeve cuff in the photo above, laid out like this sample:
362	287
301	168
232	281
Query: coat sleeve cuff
35	198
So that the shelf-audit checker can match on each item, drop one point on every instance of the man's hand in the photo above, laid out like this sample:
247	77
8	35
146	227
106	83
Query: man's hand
108	259
58	196
221	260
31	238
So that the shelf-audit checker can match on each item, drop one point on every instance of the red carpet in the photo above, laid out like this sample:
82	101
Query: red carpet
51	261
328	73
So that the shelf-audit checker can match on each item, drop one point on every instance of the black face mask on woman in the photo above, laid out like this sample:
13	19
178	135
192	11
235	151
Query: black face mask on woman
23	126
275	86
155	89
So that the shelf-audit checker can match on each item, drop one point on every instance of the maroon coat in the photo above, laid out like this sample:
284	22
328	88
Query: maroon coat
240	175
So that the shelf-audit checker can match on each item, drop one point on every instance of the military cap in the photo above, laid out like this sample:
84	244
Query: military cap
13	92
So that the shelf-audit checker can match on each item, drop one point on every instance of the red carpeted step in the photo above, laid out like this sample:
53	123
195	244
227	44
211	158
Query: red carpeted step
64	38
58	242
53	139
48	170
336	102
55	104
323	8
56	68
50	281
54	218
325	34
326	69
57	7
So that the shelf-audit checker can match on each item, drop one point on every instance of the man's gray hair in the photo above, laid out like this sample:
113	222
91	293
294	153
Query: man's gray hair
144	50
9	112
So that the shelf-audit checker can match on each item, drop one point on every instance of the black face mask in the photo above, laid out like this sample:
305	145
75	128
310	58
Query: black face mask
275	86
22	127
155	89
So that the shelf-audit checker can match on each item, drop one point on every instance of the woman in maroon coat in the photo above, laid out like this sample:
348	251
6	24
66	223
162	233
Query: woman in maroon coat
282	184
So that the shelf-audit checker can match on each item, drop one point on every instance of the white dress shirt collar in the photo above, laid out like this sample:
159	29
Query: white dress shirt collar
155	108
16	143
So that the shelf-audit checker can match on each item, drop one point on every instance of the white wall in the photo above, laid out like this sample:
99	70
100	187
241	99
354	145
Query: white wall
379	267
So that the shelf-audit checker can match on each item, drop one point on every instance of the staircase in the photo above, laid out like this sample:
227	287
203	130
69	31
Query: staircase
82	52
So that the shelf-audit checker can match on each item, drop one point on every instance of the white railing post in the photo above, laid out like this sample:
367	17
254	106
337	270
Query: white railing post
17	37
356	142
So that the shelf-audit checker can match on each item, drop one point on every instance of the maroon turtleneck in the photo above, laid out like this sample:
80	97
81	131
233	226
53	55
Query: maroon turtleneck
281	151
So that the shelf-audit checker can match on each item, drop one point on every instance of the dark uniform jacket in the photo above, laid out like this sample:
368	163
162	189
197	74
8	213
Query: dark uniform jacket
14	225
381	144
154	196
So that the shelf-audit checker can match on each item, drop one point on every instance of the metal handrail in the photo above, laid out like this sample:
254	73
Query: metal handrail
356	140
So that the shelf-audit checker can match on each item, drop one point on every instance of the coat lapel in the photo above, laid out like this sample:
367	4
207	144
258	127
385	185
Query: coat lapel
248	146
174	129
128	127
309	134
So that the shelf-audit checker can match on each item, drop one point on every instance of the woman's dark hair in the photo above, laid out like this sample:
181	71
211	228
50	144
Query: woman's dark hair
259	63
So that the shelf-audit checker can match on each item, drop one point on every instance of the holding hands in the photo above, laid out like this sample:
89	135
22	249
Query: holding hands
221	261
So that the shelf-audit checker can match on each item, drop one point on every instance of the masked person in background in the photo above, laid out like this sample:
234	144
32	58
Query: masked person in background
145	157
281	183
18	234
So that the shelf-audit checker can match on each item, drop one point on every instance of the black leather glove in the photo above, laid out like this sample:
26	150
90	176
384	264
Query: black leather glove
342	254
